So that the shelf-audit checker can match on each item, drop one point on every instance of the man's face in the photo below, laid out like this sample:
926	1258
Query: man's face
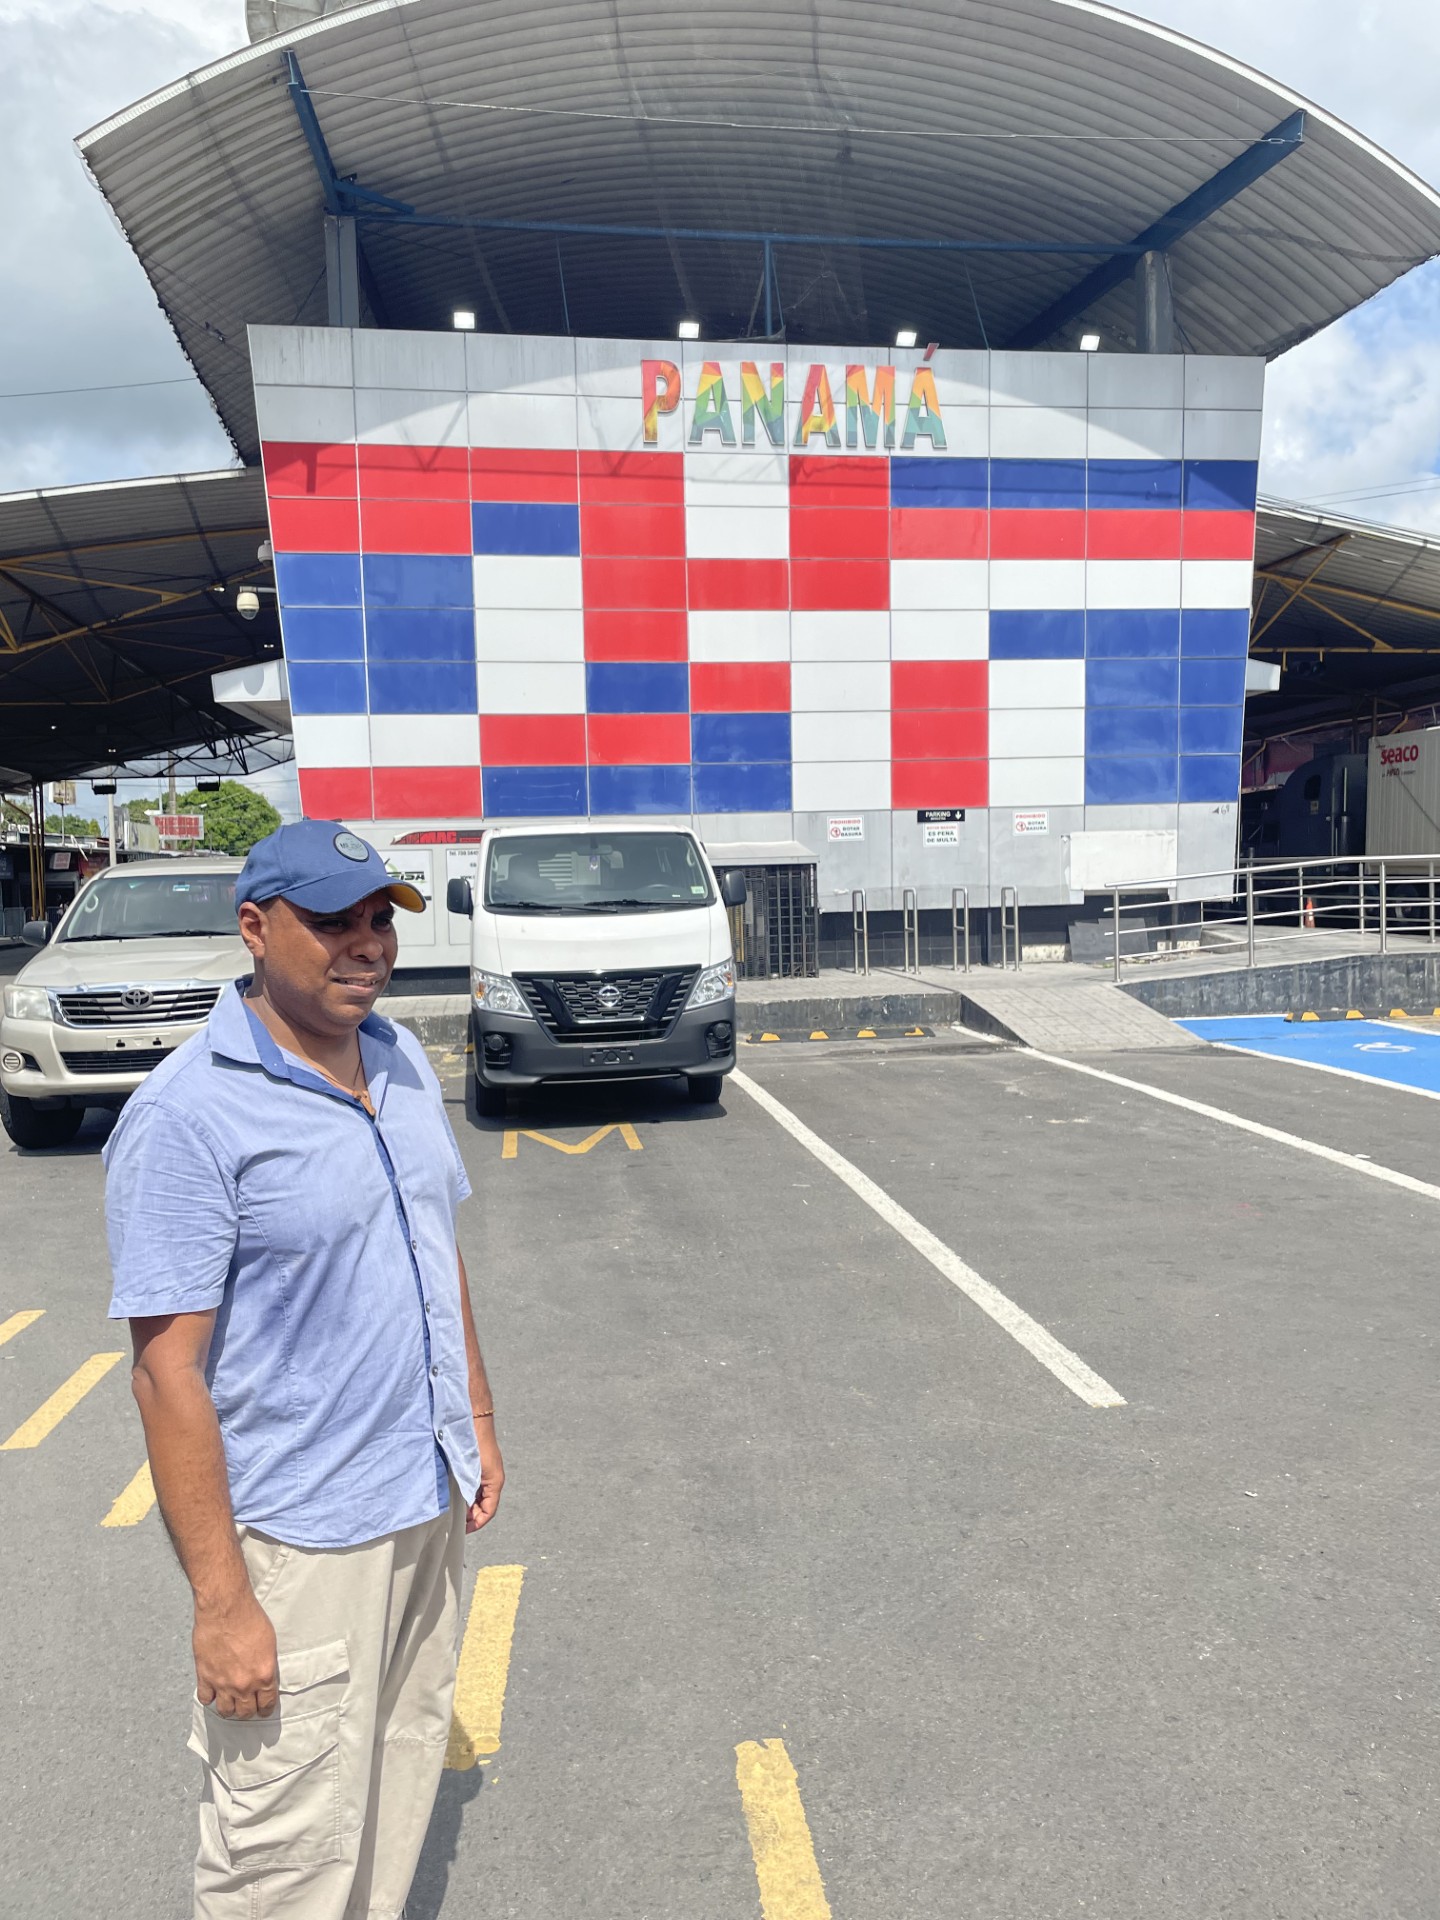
323	971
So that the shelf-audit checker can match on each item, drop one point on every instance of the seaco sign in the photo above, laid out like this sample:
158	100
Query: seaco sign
880	408
1395	759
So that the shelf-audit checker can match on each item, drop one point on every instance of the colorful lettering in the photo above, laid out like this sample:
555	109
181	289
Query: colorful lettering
872	415
817	410
712	408
661	388
755	402
922	415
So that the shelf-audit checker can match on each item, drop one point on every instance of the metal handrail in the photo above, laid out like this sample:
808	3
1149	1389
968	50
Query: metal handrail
860	929
910	928
959	913
1009	900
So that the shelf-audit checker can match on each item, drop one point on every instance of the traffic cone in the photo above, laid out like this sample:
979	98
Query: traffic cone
1309	920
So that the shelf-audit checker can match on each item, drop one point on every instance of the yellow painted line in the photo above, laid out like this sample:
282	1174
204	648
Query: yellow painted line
64	1400
484	1667
18	1322
134	1503
784	1853
513	1136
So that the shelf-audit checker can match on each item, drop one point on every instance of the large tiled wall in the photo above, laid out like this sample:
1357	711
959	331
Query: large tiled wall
1024	592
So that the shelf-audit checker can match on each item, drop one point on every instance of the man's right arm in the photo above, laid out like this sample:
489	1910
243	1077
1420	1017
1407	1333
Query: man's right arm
234	1642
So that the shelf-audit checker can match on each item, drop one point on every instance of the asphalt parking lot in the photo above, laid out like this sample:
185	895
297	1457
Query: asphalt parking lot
818	1580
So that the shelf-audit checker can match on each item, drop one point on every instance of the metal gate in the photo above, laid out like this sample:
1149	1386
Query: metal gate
777	931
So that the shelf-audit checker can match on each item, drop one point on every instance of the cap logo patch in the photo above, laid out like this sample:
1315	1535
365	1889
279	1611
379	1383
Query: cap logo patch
352	846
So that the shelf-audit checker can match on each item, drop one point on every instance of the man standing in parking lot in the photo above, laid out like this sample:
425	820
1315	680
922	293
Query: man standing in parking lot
281	1197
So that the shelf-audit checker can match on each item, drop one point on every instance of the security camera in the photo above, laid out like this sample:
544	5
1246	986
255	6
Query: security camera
247	603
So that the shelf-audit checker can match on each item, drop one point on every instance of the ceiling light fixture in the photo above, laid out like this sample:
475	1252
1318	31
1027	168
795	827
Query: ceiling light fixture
689	330
906	337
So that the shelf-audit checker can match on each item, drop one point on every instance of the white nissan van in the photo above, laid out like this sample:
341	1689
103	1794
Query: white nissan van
597	953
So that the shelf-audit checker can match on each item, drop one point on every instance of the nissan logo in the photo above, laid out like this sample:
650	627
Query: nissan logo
136	997
609	998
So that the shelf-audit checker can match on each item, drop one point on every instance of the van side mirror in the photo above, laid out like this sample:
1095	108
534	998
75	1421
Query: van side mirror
35	933
459	898
733	890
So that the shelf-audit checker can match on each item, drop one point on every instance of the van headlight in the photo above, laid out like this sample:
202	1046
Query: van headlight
715	983
498	993
27	1003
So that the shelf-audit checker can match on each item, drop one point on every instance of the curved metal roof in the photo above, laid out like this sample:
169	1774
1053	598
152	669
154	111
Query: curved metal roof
1038	123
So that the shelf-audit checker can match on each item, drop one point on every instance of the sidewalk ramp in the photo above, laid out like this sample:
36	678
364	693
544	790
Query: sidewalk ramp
1086	1016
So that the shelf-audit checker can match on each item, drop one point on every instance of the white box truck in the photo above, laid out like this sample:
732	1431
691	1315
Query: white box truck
1402	815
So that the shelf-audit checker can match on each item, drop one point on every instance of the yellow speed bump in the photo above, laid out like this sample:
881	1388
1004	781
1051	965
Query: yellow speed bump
866	1033
819	1034
769	1036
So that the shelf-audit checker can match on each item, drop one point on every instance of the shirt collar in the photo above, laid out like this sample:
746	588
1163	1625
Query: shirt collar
238	1034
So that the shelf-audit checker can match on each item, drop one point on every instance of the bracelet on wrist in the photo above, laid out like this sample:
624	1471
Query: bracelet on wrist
488	1414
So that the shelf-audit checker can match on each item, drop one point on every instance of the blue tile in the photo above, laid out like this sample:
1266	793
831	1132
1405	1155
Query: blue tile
939	483
1037	483
1037	636
525	527
422	686
1116	635
640	790
509	792
318	579
1215	633
1212	683
419	580
1137	486
420	633
336	687
1132	683
1210	778
637	687
1212	729
1133	783
1131	731
742	789
720	737
323	633
1221	485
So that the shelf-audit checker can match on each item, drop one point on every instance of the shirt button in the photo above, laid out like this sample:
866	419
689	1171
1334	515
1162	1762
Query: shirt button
434	1373
414	1246
440	1433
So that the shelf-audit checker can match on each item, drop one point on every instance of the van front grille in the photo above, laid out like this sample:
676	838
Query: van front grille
607	1006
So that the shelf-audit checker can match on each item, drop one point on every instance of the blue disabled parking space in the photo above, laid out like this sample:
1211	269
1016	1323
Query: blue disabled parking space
1390	1051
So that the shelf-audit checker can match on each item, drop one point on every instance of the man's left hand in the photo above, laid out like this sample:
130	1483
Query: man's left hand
492	1478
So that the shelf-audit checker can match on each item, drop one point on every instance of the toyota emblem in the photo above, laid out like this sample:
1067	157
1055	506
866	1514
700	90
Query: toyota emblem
609	998
136	997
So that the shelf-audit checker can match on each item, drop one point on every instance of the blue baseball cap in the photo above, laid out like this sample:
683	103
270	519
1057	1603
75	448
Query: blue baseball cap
321	865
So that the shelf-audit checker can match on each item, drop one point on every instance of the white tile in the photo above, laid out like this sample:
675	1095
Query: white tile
741	635
1039	379
720	831
926	585
841	786
546	687
519	363
1211	435
413	360
947	635
302	356
850	686
608	425
1036	683
527	580
1149	819
1225	380
744	478
614	369
410	417
1036	586
425	739
962	376
545	420
331	739
1136	584
1136	379
1037	783
839	736
1037	433
1034	733
737	533
799	361
1216	583
1136	433
305	413
840	636
529	633
967	436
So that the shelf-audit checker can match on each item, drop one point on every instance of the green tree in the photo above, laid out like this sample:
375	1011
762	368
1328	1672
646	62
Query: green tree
235	816
72	823
141	810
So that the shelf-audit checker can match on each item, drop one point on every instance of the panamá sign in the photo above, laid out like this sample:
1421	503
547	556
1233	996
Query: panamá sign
870	407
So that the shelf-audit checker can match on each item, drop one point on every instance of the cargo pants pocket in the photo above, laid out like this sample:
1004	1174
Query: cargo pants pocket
276	1782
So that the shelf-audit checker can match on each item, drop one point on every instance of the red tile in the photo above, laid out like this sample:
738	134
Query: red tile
627	530
414	473
1219	536
639	739
336	793
832	586
417	526
940	734
838	480
636	635
939	783
750	686
939	533
916	685
1117	534
840	533
535	475
532	739
640	583
309	469
739	586
315	526
407	793
1026	534
633	479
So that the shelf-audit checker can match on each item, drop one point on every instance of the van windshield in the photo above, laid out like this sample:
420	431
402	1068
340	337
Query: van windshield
596	873
153	906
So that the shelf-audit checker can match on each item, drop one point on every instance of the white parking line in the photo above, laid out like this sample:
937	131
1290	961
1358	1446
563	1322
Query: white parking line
1067	1367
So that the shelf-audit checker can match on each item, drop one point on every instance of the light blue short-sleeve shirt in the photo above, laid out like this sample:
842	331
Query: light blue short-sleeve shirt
240	1180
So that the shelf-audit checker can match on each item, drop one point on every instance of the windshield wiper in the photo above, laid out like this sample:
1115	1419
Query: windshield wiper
527	906
640	906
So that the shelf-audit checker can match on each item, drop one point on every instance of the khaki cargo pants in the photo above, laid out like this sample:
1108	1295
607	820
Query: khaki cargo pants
319	1812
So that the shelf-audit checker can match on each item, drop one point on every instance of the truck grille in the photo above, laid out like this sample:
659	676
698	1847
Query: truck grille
131	1060
607	1006
166	1006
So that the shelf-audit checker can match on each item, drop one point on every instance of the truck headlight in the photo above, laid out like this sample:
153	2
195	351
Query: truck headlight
27	1003
715	983
498	993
